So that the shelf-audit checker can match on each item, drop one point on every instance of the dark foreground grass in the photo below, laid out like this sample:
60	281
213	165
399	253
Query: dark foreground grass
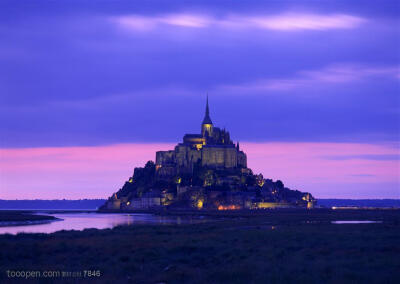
276	247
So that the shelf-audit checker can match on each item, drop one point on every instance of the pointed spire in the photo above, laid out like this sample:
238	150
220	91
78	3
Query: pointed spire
207	119
207	110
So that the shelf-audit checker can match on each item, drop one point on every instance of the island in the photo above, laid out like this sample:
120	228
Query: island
207	171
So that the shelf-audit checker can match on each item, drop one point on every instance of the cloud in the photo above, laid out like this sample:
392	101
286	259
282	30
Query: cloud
135	22
282	22
334	74
349	72
96	84
293	21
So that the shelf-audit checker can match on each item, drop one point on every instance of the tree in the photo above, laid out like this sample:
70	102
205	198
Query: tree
279	184
149	164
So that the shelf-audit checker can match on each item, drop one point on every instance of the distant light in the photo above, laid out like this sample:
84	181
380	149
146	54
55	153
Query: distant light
228	207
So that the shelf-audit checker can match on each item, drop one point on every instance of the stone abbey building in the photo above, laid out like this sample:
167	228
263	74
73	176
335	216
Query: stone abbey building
212	148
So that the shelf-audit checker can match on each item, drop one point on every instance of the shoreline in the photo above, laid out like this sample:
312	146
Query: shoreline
27	223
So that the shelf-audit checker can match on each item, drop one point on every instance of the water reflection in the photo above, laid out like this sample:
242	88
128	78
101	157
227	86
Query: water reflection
355	222
81	221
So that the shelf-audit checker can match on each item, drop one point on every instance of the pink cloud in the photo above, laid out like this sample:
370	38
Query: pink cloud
282	22
294	21
96	172
186	20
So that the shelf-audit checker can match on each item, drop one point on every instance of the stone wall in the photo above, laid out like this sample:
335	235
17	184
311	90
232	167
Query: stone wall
230	157
185	156
166	172
219	157
165	157
242	159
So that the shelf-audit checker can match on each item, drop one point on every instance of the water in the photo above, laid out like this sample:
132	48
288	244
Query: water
355	222
81	221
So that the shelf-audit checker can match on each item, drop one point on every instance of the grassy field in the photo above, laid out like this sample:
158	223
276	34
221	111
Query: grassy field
288	246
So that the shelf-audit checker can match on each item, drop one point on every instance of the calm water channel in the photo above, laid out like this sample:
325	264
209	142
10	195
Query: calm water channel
81	221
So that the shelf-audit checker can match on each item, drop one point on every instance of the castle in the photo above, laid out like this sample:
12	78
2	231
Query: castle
205	171
212	148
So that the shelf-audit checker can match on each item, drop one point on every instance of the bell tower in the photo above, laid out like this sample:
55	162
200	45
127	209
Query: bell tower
207	125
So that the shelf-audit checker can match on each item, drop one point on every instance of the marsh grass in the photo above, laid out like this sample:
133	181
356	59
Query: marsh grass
234	250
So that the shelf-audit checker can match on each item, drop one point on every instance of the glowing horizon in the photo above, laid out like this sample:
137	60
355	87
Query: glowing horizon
327	170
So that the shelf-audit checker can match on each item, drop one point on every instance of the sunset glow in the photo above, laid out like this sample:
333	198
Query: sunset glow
61	172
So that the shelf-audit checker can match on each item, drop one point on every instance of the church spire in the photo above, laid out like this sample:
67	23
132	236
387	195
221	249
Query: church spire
207	119
207	125
207	110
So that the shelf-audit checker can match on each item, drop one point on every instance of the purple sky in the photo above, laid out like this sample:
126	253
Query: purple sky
90	89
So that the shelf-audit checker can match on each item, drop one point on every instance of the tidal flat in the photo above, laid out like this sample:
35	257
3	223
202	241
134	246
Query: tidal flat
275	246
20	218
